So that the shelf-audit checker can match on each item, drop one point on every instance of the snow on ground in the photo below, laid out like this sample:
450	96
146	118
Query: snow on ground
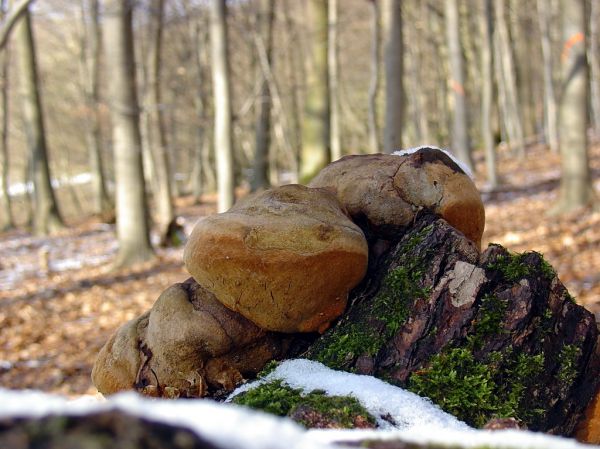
237	427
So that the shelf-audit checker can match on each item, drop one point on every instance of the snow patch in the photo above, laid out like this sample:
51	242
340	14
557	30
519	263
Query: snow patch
458	162
407	410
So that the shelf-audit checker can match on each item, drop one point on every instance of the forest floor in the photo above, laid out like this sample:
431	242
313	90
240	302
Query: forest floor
60	301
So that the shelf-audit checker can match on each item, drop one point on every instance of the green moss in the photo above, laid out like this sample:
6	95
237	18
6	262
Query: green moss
514	267
390	308
567	372
268	368
478	390
488	321
279	399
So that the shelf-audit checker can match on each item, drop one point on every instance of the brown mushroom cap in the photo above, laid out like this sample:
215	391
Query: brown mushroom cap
186	342
285	258
383	192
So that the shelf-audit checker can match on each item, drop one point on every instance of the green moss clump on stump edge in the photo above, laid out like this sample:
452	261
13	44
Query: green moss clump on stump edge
313	409
484	336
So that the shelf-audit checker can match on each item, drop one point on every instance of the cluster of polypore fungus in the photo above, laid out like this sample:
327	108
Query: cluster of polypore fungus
279	262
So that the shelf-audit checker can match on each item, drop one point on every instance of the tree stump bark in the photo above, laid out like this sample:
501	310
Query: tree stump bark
485	336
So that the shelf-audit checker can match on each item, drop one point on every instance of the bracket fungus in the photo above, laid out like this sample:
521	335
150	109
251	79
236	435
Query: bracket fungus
285	258
383	192
185	345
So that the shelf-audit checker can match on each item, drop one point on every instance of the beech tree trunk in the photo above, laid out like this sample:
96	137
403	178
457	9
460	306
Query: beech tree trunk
91	48
460	135
505	71
483	335
487	94
5	201
315	122
132	212
47	218
334	88
374	83
260	178
163	196
223	135
576	189
391	11
550	109
594	62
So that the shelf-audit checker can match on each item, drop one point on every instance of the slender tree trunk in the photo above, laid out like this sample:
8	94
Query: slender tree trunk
334	88
315	123
47	218
487	93
460	134
594	61
91	38
374	83
5	206
576	188
132	213
550	109
507	83
394	89
260	179
222	101
293	72
162	195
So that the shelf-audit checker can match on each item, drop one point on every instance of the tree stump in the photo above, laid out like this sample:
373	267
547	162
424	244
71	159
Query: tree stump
484	335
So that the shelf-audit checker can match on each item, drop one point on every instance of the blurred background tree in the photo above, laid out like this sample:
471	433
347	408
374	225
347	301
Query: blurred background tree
242	95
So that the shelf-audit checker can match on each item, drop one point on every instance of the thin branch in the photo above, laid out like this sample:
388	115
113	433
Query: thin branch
12	18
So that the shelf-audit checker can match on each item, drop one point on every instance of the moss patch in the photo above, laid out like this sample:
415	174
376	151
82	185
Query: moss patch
279	399
569	354
373	324
515	267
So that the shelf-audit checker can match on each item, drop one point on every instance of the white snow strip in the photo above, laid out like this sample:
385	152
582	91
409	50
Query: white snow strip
460	163
406	409
231	426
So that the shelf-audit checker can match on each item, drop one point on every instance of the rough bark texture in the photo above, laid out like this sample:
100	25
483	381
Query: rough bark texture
102	430
431	304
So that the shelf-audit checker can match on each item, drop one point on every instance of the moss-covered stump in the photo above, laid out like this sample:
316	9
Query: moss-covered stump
104	430
314	409
483	335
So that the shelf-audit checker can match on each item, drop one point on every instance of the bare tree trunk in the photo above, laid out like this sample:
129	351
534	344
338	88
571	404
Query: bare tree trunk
576	188
295	106
550	109
91	38
47	218
132	212
162	194
374	83
460	134
487	93
334	88
594	61
394	89
506	81
222	100
7	216
260	178
315	123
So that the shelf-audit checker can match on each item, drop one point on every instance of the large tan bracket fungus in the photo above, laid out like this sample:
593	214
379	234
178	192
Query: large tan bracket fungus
384	192
187	343
285	258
